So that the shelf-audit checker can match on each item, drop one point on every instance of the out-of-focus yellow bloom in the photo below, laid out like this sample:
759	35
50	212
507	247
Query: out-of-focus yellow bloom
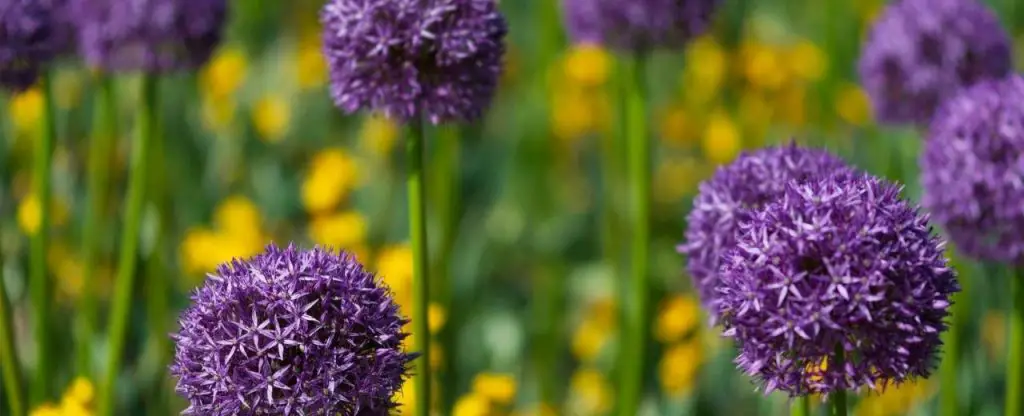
721	139
272	117
852	105
436	317
763	66
224	74
26	109
993	334
378	135
218	113
310	65
406	397
577	111
197	247
394	265
68	270
238	215
30	214
590	393
679	316
343	230
587	65
705	70
676	178
472	404
895	400
542	409
816	369
791	105
332	175
498	388
77	401
677	127
595	330
679	368
806	61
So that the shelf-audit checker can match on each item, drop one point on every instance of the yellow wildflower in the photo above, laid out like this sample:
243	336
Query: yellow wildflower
575	112
679	316
705	73
310	65
807	61
679	368
197	247
993	334
676	126
394	265
47	410
587	65
436	317
472	404
218	113
77	401
895	400
406	397
238	215
331	177
852	105
26	109
721	139
588	340
378	135
344	230
498	388
590	393
224	74
763	66
271	117
30	215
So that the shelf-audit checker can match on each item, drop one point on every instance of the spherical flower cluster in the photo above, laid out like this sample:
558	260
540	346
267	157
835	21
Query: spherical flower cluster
751	181
148	35
920	52
841	262
414	58
291	331
32	33
637	25
972	168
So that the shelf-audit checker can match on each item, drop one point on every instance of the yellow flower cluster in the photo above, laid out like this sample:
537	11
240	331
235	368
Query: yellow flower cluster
30	214
25	110
590	393
271	116
237	232
219	81
895	400
490	395
676	326
310	65
579	99
331	177
77	401
597	328
378	135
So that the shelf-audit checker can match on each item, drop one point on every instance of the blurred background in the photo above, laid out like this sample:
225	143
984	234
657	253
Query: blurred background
527	206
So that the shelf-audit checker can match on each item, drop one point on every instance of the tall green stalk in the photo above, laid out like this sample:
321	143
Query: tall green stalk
39	284
838	398
800	407
134	203
949	399
420	281
639	170
1015	348
11	367
100	146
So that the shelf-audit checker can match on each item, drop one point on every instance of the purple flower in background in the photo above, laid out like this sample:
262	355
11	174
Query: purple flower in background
148	35
637	25
439	59
972	170
32	33
920	52
291	332
749	182
841	261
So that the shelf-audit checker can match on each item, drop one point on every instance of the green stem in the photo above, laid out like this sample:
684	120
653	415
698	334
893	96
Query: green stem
39	285
1015	348
100	146
134	203
418	241
157	283
549	298
446	197
839	396
9	354
800	407
639	170
949	400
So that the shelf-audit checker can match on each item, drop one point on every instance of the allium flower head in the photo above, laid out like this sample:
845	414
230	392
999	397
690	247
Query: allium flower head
841	261
291	332
149	35
637	25
439	59
32	33
920	52
751	181
972	168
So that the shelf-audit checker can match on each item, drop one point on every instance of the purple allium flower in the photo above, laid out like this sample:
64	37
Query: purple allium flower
149	35
291	332
842	261
972	168
32	33
439	59
920	52
751	181
637	25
